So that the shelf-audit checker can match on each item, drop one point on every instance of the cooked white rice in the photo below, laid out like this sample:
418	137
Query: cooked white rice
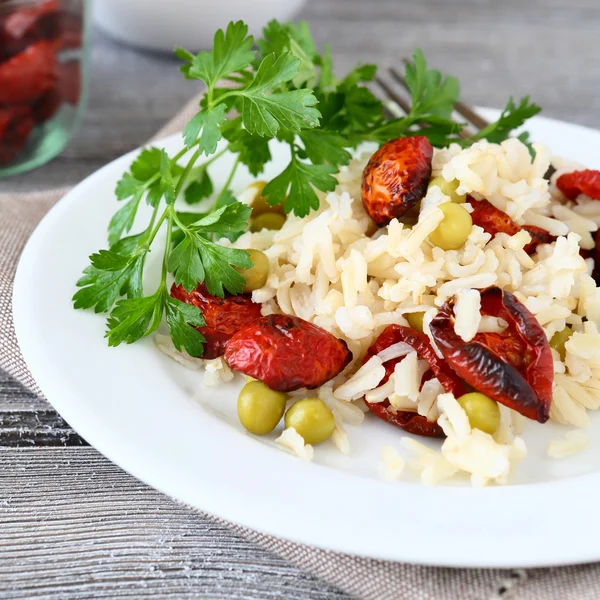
293	441
325	269
573	442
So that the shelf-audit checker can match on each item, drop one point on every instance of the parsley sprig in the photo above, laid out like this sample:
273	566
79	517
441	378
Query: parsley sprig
279	87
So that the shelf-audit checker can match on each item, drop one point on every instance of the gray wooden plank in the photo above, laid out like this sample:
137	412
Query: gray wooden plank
75	526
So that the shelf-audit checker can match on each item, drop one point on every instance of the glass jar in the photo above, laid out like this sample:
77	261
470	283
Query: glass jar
42	79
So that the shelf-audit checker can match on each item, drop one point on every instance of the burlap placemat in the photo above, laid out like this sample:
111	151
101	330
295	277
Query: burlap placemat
365	578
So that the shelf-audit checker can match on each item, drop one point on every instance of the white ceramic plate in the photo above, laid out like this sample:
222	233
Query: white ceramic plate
156	420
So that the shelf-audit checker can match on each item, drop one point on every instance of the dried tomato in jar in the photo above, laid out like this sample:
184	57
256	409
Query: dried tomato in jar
40	74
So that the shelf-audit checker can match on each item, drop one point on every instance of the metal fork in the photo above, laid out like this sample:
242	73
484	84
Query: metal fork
464	110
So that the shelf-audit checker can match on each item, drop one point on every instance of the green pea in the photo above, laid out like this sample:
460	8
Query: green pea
259	203
312	419
449	189
415	320
260	408
453	231
559	339
483	412
267	220
255	276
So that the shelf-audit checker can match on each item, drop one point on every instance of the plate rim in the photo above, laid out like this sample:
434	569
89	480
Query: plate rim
306	533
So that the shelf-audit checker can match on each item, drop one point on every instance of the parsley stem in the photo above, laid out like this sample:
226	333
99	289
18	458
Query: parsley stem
215	156
169	212
156	228
227	184
151	224
186	172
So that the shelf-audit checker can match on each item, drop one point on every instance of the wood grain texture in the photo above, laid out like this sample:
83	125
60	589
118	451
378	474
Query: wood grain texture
73	525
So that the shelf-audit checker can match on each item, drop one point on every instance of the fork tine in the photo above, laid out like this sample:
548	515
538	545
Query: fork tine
464	110
401	102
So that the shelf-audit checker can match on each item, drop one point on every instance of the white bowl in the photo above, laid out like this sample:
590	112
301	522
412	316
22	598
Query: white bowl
164	24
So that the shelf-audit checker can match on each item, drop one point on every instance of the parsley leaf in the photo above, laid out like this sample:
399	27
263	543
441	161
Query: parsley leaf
199	189
185	262
297	39
122	220
134	318
358	74
323	146
362	107
264	113
432	93
294	186
205	126
226	219
512	117
145	166
179	318
232	53
106	278
252	150
196	259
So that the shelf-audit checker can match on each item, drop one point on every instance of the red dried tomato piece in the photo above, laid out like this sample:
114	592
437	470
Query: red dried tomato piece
27	75
410	421
21	28
16	123
46	105
538	236
493	220
580	182
65	29
287	353
514	367
69	81
396	178
223	316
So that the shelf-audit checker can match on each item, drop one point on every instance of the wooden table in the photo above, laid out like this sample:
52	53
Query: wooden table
72	525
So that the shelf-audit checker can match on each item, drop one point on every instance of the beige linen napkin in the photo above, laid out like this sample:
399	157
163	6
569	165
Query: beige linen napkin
365	578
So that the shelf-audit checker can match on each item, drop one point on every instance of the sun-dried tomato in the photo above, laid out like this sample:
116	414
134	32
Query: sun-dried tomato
23	27
69	81
16	123
287	353
65	29
46	106
410	421
580	182
27	75
493	220
538	236
223	316
396	178
514	367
